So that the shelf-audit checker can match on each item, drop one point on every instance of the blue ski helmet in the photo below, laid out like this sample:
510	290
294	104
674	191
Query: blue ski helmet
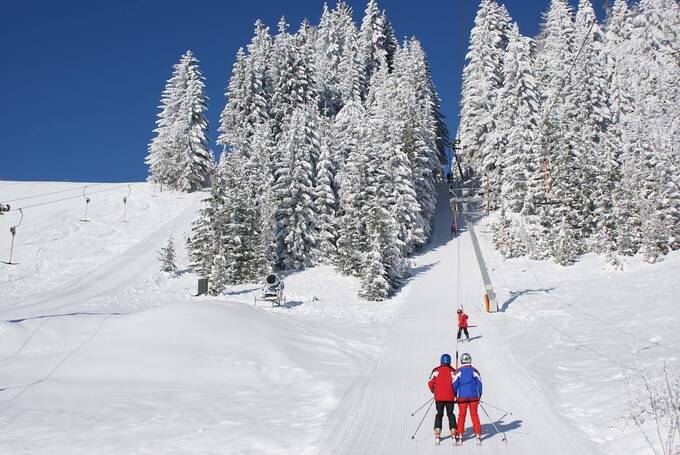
445	359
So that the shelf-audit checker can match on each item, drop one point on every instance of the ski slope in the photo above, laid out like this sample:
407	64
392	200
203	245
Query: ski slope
101	353
374	415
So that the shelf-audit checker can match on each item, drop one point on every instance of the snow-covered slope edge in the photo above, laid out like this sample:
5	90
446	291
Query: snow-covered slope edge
581	333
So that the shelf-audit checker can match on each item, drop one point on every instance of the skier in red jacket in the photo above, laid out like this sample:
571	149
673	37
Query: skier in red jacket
462	325
441	384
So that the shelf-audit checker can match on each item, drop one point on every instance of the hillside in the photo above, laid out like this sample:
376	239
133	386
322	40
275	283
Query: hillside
102	353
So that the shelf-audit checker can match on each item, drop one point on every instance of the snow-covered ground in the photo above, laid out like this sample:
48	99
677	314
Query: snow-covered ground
101	353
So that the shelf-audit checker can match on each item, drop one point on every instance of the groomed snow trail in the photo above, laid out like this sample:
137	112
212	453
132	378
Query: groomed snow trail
374	415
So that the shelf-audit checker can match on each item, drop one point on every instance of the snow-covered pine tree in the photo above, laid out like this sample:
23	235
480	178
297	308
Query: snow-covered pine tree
384	267
162	149
248	93
195	160
166	256
562	223
293	189
351	133
178	154
292	73
654	39
326	194
260	180
351	76
217	281
390	178
374	45
626	217
597	152
203	241
417	108
517	120
482	78
335	34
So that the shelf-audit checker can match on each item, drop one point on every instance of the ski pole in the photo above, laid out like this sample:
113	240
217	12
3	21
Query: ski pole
493	423
413	436
424	404
496	407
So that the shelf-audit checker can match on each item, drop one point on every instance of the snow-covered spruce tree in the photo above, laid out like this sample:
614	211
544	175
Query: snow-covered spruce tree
654	37
351	76
384	267
179	155
217	280
482	78
335	34
163	148
376	42
599	151
292	74
562	222
351	133
390	177
260	181
195	159
293	190
417	108
326	194
248	93
166	256
617	47
517	120
202	243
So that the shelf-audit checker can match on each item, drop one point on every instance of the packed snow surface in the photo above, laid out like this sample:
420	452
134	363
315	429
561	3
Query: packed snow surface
101	353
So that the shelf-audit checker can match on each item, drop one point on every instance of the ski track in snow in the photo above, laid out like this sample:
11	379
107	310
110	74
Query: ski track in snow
374	416
104	354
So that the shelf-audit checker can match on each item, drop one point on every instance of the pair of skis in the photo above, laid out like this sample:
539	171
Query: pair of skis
457	441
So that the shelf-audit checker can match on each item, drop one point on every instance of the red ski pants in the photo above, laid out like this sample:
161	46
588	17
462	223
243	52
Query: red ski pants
474	416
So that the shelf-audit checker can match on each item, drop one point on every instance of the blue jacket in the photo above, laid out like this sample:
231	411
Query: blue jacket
467	383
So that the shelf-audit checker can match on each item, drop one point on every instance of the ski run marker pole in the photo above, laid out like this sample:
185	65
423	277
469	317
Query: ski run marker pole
424	404
413	436
493	423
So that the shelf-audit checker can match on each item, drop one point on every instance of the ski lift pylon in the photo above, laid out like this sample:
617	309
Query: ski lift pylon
87	203
13	231
125	199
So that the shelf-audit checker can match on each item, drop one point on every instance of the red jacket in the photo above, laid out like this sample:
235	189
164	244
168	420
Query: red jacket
441	383
462	320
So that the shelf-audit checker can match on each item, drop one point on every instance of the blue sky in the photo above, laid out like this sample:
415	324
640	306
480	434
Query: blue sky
81	80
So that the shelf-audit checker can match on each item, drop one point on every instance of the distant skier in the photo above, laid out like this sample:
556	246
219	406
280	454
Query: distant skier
454	228
462	325
440	383
467	385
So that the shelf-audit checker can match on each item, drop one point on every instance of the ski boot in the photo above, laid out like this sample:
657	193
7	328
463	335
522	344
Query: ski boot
457	439
479	439
437	435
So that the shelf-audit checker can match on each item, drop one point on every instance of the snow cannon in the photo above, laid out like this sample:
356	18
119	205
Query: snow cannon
272	291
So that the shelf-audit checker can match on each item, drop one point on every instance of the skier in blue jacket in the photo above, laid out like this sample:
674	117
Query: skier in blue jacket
467	385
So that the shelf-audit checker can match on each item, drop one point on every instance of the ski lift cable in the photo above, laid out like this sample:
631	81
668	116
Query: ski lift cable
40	204
51	193
562	84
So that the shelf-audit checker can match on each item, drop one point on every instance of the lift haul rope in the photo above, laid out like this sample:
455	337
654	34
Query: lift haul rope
40	204
5	208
